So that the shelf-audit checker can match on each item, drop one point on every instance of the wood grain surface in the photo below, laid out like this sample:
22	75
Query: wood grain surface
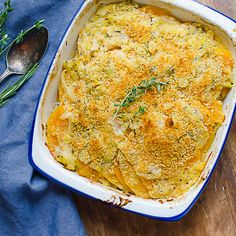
213	214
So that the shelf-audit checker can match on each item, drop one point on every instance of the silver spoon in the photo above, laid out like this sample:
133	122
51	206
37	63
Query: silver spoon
28	52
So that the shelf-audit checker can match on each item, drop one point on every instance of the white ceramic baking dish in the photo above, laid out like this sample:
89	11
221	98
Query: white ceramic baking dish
41	159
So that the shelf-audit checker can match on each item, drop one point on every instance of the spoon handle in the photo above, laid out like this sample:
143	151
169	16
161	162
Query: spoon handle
5	74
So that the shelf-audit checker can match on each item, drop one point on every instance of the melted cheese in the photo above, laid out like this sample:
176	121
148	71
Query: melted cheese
162	152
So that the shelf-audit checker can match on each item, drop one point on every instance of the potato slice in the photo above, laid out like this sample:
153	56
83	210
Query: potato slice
56	127
130	178
154	11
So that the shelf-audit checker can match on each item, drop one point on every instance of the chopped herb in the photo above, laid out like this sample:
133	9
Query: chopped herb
137	91
170	71
121	115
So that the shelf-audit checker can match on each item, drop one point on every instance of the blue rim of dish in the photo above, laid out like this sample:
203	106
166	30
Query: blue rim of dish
30	157
213	9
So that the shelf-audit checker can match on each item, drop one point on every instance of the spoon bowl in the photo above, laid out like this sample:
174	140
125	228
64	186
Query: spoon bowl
27	52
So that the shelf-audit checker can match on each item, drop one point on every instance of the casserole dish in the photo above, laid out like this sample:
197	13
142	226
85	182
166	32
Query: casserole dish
41	159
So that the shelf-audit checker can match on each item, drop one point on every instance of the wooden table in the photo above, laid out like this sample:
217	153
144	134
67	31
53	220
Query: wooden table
213	214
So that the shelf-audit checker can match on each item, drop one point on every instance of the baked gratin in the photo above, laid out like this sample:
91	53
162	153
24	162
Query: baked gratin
141	101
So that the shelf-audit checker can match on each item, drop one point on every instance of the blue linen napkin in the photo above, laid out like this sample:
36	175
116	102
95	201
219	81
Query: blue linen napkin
29	203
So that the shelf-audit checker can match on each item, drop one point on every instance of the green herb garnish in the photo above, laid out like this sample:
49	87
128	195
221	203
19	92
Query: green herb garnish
19	38
137	91
3	17
140	111
10	91
4	14
3	39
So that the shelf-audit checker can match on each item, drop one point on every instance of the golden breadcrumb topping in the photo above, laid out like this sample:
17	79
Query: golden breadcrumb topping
141	101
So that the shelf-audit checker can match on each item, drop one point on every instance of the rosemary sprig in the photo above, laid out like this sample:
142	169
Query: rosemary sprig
19	38
4	14
10	91
137	91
